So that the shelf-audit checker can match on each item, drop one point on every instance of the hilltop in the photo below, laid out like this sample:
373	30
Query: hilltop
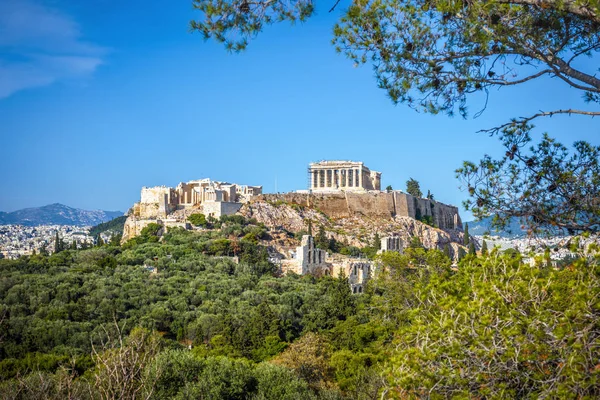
356	227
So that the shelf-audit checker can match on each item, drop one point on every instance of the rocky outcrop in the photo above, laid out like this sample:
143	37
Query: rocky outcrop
372	204
291	217
350	218
133	227
355	230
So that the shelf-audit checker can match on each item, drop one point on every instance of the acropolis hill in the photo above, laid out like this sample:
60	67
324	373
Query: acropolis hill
343	196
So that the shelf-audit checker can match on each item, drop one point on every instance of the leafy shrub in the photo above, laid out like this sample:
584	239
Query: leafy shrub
198	220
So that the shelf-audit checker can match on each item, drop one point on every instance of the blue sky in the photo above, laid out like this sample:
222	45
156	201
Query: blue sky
102	97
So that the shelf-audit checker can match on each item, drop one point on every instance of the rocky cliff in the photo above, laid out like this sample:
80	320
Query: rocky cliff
351	218
372	204
352	226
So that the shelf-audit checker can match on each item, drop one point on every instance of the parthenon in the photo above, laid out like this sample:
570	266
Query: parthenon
328	176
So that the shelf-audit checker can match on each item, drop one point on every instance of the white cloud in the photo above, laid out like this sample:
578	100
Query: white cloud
40	45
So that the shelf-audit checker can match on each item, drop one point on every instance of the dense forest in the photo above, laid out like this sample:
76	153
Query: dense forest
177	317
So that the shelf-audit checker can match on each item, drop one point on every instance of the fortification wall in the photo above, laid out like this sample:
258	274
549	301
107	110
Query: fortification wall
154	194
133	227
372	204
217	208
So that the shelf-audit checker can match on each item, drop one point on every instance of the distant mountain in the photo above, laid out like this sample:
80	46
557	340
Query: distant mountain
57	214
483	227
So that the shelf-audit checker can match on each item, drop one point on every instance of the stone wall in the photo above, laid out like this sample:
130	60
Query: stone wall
133	227
372	204
218	208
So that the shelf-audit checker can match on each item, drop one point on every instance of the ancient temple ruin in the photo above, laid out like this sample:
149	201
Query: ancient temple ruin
216	198
326	176
170	206
310	260
391	243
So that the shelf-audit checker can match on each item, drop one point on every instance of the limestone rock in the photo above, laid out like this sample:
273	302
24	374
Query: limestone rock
353	230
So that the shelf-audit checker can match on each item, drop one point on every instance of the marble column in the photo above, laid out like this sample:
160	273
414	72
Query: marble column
360	178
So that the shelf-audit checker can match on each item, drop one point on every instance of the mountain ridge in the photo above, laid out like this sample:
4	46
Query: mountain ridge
483	227
57	214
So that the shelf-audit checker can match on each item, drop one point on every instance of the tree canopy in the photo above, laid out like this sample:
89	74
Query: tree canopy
413	188
96	324
546	185
431	54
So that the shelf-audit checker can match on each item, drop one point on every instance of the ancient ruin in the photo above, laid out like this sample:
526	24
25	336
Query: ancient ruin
344	196
308	259
372	204
216	198
326	176
170	207
391	243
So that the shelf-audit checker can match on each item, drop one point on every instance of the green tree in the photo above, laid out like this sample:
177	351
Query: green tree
499	348
115	239
99	241
413	188
222	378
447	251
58	245
472	250
308	357
466	237
309	223
377	241
321	240
44	249
430	195
415	243
172	370
461	253
484	248
546	186
198	220
389	188
432	54
427	219
277	382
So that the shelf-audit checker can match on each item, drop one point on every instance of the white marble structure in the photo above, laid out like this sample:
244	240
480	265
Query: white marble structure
391	243
309	259
327	176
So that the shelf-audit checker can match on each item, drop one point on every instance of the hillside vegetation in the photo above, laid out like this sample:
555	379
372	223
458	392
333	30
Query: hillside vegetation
114	225
100	324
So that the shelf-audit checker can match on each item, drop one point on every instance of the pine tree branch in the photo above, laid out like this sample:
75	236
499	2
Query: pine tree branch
565	5
524	120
